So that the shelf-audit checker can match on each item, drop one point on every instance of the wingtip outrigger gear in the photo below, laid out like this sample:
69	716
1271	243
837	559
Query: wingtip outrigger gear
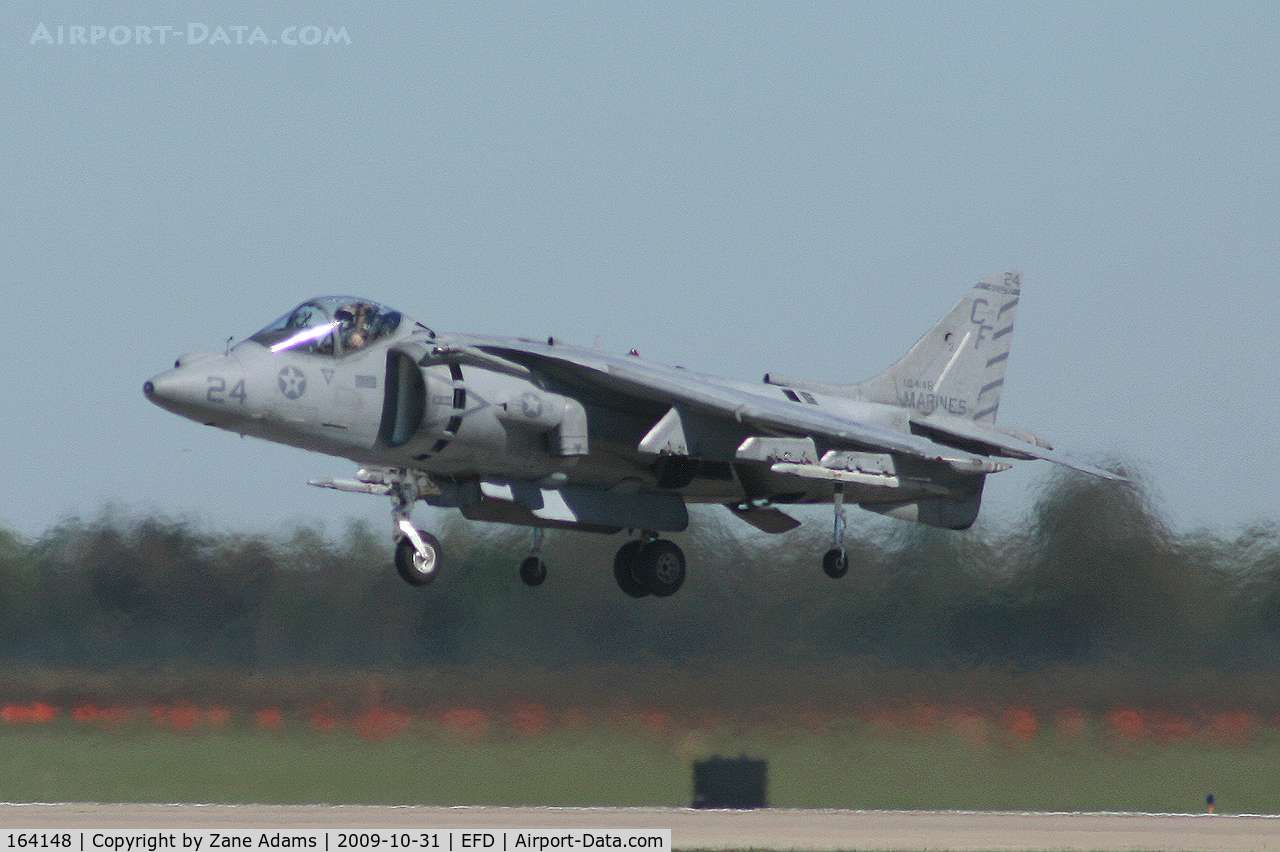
835	562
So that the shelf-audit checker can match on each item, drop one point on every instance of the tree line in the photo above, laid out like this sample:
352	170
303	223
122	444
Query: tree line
1092	579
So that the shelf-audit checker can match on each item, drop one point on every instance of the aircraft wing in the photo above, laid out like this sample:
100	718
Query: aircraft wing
786	417
673	386
991	441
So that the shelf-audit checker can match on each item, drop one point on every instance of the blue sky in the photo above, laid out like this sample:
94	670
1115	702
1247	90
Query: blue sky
736	187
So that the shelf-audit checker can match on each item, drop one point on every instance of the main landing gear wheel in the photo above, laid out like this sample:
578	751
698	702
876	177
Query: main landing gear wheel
533	571
418	568
835	563
649	568
624	569
661	567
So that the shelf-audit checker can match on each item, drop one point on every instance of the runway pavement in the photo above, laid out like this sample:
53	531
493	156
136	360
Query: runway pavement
772	829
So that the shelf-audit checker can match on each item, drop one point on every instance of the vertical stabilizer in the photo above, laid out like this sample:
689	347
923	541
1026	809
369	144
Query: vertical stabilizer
957	368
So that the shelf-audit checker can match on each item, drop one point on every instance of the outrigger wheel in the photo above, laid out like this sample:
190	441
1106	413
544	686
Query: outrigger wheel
835	563
533	571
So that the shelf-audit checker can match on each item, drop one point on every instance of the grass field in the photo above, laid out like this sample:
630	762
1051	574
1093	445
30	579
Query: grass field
216	758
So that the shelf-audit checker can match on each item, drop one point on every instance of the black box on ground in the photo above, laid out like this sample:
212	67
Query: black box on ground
730	782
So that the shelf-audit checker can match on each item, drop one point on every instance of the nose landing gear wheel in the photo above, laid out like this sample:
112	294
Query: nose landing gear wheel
533	571
418	569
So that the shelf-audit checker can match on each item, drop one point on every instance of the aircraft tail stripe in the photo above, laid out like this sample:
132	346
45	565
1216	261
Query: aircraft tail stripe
1008	306
990	386
1004	356
1008	329
984	412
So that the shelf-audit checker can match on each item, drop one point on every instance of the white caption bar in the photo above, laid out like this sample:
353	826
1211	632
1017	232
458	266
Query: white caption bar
335	840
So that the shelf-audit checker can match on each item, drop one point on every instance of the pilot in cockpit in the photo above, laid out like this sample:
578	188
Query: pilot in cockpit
354	328
331	326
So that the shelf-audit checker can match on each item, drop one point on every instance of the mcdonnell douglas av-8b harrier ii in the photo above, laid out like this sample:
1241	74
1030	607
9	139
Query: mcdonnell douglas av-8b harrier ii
543	434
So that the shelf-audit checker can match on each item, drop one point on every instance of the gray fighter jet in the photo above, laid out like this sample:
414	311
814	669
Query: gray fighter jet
544	434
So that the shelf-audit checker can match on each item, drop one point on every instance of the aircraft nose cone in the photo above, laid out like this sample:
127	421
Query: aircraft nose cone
178	391
164	388
204	391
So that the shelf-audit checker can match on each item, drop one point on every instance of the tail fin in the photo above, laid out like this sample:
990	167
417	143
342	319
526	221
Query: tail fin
958	366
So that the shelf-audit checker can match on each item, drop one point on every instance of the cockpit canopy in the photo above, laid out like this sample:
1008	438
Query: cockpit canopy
332	326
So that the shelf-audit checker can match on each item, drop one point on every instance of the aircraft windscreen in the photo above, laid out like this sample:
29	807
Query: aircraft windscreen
334	325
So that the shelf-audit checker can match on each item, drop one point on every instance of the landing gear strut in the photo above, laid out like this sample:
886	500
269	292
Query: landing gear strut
533	571
649	566
645	566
